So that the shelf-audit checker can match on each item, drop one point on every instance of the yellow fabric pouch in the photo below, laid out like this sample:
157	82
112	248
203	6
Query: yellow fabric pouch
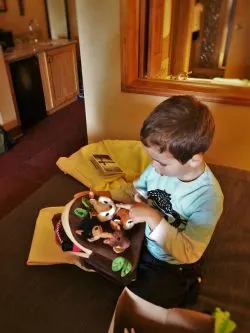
44	249
128	154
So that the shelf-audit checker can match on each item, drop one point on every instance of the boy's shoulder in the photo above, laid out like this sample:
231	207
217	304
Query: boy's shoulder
203	194
205	188
211	181
206	192
206	184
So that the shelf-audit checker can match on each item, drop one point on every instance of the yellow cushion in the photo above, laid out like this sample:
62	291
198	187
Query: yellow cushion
44	249
128	154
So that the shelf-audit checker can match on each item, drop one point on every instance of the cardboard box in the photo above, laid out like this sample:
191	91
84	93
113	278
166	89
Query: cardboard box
144	317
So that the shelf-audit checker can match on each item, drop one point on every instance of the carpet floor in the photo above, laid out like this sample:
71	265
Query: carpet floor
53	298
32	160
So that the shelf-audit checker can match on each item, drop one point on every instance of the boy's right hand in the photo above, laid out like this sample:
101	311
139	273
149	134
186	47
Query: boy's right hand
140	212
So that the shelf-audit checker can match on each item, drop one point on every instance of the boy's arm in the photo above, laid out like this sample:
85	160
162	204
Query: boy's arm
187	246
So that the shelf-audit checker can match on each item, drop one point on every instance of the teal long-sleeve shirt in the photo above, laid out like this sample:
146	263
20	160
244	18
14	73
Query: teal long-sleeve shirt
190	213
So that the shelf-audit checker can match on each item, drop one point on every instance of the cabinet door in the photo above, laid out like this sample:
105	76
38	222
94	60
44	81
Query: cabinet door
62	70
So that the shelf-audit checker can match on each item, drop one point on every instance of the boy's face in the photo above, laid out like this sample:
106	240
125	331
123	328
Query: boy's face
166	165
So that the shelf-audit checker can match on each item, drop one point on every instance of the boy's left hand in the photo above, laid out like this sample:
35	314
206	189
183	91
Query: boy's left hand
141	212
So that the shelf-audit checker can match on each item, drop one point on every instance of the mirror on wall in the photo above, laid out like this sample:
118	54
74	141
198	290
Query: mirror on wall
58	19
196	41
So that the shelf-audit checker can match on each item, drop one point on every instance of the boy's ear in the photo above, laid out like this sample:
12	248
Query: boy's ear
196	160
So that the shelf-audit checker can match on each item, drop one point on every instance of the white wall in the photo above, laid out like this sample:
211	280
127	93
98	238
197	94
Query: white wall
110	113
113	114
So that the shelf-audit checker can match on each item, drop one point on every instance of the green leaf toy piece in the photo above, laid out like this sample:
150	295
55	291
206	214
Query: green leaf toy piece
86	203
80	212
117	264
223	322
126	268
121	264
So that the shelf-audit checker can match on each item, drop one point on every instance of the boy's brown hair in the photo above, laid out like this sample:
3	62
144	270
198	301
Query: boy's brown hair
181	125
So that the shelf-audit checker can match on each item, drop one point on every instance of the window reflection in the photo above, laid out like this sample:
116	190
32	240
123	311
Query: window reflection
203	41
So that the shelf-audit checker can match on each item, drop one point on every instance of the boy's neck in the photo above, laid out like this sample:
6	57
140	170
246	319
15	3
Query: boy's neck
194	173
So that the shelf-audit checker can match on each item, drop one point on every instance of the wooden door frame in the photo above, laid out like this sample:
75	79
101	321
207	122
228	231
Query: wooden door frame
151	64
178	9
131	62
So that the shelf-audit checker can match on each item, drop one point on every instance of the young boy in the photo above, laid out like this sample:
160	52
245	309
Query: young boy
184	201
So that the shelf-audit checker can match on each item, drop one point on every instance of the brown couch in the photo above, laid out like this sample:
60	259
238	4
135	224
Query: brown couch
226	280
63	298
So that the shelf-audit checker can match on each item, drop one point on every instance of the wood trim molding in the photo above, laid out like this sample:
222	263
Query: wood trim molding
131	68
11	124
216	94
47	18
61	106
75	69
142	31
129	40
42	58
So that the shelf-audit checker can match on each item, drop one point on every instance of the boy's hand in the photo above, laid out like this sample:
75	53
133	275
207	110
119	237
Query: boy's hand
140	212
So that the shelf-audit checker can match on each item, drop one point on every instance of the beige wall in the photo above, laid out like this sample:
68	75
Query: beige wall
112	114
34	9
